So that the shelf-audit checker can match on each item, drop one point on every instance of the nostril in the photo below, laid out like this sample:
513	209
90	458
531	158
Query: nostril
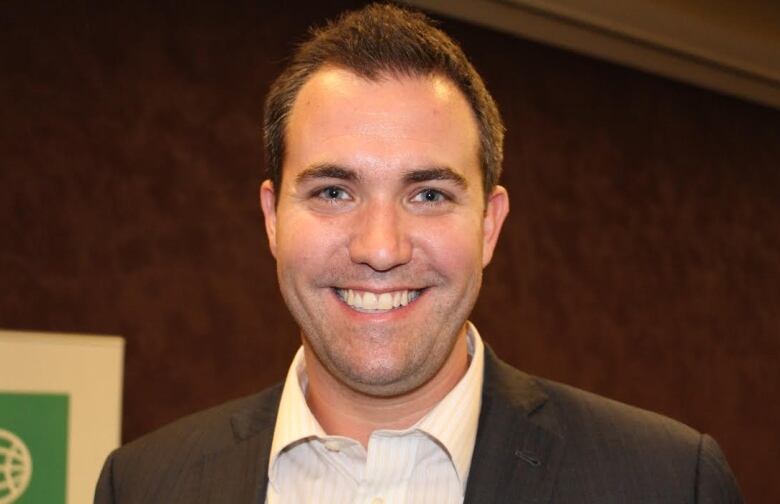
381	248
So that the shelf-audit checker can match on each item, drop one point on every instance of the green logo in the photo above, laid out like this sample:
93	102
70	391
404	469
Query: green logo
33	448
15	466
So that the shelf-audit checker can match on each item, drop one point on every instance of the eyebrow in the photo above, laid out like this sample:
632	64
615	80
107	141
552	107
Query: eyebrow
435	173
326	171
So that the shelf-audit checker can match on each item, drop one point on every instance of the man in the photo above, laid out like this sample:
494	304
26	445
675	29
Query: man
382	209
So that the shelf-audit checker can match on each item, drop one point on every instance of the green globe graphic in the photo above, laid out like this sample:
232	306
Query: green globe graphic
15	467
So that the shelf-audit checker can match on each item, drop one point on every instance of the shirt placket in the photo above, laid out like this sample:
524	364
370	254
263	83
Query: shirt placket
389	466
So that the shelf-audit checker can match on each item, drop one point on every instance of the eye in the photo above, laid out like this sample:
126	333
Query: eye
429	196
332	193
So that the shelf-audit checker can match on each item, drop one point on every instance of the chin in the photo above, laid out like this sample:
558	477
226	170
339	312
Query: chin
382	376
382	386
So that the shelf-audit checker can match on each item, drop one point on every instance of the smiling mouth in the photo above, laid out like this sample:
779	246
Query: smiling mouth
370	302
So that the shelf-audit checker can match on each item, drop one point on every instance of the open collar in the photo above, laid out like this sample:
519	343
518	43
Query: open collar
519	447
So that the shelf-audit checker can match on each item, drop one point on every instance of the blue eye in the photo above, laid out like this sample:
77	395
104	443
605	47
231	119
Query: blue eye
333	193
429	196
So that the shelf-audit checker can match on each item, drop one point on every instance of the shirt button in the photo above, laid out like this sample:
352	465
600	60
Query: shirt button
377	500
332	445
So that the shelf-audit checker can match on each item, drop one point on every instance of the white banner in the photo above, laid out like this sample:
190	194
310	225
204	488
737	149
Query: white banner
60	414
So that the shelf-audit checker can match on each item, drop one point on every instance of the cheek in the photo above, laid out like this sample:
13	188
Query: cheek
455	247
305	242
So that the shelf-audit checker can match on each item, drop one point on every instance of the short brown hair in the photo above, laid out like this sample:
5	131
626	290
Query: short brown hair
372	42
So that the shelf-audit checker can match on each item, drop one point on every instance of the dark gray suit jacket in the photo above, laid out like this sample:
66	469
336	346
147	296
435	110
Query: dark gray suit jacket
537	442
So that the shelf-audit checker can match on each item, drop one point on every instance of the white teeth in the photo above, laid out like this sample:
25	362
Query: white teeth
369	301
385	301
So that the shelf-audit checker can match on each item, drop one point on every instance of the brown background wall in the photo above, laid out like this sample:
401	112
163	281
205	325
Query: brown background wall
641	259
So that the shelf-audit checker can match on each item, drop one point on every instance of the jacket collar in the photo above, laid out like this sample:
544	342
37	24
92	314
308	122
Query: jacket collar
520	441
239	473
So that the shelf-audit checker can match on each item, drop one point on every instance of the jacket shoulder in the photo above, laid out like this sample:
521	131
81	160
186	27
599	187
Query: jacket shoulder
173	453
609	451
210	430
621	453
591	412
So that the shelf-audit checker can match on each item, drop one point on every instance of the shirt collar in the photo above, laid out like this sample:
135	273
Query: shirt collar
463	402
296	423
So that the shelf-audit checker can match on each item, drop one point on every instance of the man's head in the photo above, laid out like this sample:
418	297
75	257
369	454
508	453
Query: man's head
375	42
381	225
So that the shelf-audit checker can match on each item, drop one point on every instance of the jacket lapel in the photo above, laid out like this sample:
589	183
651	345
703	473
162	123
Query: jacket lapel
239	473
520	441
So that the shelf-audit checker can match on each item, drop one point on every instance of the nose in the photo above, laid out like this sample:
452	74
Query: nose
380	238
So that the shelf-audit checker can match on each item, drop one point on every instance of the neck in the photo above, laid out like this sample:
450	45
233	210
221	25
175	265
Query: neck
342	411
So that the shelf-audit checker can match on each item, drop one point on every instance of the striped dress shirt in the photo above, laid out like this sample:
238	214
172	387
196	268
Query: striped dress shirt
427	463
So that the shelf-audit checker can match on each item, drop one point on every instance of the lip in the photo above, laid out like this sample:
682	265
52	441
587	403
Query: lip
378	290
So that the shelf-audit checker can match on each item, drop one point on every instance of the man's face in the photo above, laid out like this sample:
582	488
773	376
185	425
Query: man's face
380	230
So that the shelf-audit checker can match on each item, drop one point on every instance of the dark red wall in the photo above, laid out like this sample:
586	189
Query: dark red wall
641	259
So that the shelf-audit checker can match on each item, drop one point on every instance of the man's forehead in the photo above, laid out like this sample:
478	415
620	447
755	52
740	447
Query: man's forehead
335	76
367	130
347	91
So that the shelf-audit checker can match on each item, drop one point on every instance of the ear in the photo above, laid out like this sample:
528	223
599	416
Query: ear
495	212
268	205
